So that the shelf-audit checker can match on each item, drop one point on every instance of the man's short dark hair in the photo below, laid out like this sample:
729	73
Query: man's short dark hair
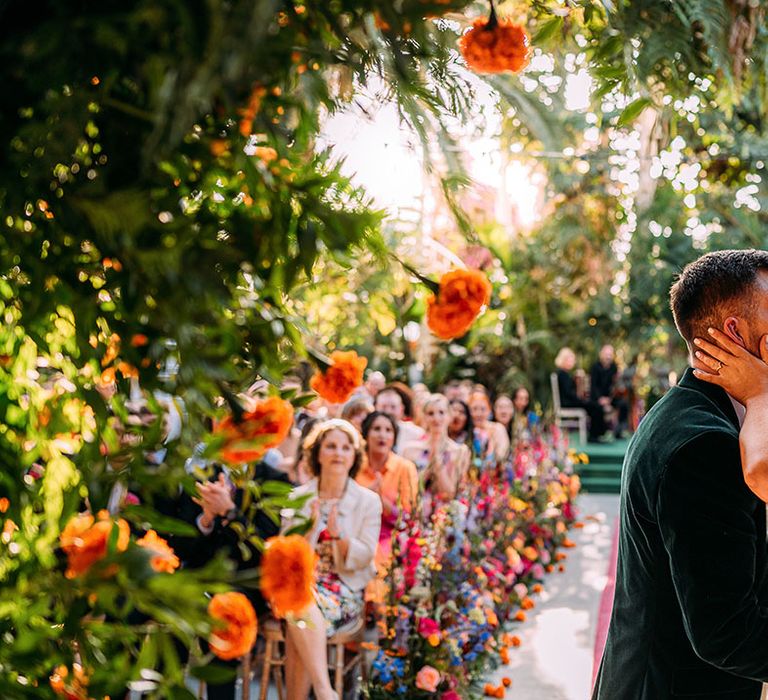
713	287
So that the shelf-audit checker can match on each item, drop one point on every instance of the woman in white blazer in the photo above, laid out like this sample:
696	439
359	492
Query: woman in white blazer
346	522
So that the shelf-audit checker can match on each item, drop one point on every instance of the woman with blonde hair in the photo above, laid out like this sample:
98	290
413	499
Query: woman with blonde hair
442	463
497	445
346	521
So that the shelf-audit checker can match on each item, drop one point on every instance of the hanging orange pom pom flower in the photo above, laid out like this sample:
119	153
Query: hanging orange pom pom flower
345	374
492	46
237	633
164	559
288	574
85	541
267	425
462	295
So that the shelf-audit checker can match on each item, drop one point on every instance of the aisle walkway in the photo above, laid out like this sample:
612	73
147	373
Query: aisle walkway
555	659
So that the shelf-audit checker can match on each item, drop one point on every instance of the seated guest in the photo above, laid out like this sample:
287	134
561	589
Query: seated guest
356	409
452	390
504	412
569	397
347	520
498	440
603	386
523	420
442	462
460	427
395	399
374	384
391	476
219	504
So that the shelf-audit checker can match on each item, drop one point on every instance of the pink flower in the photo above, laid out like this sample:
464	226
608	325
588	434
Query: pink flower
537	570
427	627
450	695
428	678
521	589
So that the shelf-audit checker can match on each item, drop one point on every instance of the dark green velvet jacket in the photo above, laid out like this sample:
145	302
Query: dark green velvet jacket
690	616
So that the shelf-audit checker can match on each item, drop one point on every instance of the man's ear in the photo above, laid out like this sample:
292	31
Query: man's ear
732	327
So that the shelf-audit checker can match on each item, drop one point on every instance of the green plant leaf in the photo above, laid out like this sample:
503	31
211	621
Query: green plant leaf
632	111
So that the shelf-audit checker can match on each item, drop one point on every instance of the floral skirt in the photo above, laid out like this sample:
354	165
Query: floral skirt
340	605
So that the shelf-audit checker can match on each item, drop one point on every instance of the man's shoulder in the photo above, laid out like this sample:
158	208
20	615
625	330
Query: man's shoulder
682	419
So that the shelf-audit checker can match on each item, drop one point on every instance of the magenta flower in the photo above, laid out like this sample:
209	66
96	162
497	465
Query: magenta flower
427	627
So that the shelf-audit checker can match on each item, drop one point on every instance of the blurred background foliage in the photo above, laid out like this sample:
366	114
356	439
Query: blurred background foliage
169	214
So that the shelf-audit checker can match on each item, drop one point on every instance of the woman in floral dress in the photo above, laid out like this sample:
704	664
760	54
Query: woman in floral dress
346	521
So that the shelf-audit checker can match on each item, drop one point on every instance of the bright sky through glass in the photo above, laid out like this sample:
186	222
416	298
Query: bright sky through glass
385	158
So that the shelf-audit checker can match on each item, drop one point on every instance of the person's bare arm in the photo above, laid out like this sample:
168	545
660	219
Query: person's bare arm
745	377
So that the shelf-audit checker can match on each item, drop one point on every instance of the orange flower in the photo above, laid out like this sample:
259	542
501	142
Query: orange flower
4	504
113	347
462	295
235	637
265	153
344	375
249	112
76	688
515	641
494	47
139	339
506	681
492	691
219	147
526	603
288	574
491	618
266	426
520	616
568	543
504	655
537	588
85	541
163	557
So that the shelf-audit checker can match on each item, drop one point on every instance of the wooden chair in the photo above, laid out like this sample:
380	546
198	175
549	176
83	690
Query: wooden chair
274	656
566	418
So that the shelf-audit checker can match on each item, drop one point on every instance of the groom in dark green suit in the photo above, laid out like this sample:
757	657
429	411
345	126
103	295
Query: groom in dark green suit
690	614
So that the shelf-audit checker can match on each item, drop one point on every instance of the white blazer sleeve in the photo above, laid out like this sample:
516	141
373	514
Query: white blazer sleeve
363	543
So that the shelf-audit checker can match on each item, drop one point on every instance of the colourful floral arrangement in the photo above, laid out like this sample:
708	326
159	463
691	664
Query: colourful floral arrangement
336	383
458	579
